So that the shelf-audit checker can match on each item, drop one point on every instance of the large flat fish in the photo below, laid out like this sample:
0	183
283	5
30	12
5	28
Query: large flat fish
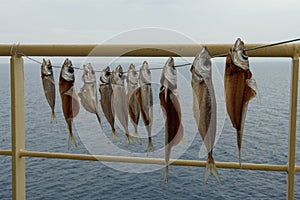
145	98
88	92
132	101
205	107
49	85
106	100
70	103
119	100
170	105
240	88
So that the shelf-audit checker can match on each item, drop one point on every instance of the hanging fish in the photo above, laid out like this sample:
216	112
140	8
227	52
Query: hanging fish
70	103
133	105
145	98
119	101
205	107
170	105
106	100
240	88
49	85
88	92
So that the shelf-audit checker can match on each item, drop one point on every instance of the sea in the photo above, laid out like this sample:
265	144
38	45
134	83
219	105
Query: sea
265	140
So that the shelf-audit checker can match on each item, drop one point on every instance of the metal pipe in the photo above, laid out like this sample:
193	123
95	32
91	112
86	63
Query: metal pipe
158	161
292	128
144	50
5	152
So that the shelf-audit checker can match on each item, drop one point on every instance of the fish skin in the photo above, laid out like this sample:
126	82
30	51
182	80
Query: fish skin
106	91
119	100
170	105
240	88
145	99
70	103
132	101
49	85
205	106
88	92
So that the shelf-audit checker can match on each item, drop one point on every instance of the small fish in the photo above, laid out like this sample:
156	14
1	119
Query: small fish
133	105
119	100
70	103
240	88
49	85
145	98
205	107
106	100
88	92
170	105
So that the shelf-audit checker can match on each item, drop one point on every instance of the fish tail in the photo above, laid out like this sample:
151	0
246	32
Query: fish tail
129	139
239	143
114	134
137	136
53	116
166	173
71	136
98	117
150	145
211	168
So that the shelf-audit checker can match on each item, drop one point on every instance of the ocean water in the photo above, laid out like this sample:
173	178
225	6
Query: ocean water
265	140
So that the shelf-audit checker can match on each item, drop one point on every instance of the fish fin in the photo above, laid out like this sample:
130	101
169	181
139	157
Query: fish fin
71	140
70	92
166	174
211	168
114	134
252	84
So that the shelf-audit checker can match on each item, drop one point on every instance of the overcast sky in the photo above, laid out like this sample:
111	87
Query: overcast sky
92	21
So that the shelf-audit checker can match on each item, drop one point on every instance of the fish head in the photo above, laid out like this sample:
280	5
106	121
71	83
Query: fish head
201	68
169	74
46	68
145	74
67	71
88	73
238	55
132	75
105	75
117	76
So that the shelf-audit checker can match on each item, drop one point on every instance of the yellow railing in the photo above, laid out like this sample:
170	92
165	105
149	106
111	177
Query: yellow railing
19	152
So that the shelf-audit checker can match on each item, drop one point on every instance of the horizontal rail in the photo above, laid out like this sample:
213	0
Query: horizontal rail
140	160
144	50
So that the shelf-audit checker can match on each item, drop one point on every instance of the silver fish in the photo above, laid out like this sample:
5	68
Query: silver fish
49	85
240	88
88	92
119	100
205	107
70	103
171	110
132	101
106	100
145	98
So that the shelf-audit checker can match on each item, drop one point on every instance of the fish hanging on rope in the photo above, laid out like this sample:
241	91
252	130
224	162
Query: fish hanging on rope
133	105
145	98
119	100
170	105
49	85
70	103
88	92
205	107
106	100
240	88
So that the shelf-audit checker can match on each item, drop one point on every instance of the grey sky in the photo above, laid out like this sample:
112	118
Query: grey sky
91	21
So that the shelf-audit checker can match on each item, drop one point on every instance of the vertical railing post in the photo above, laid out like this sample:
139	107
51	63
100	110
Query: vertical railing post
292	128
18	127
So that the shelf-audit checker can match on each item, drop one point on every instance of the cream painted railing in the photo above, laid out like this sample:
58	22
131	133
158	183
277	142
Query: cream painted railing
19	152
